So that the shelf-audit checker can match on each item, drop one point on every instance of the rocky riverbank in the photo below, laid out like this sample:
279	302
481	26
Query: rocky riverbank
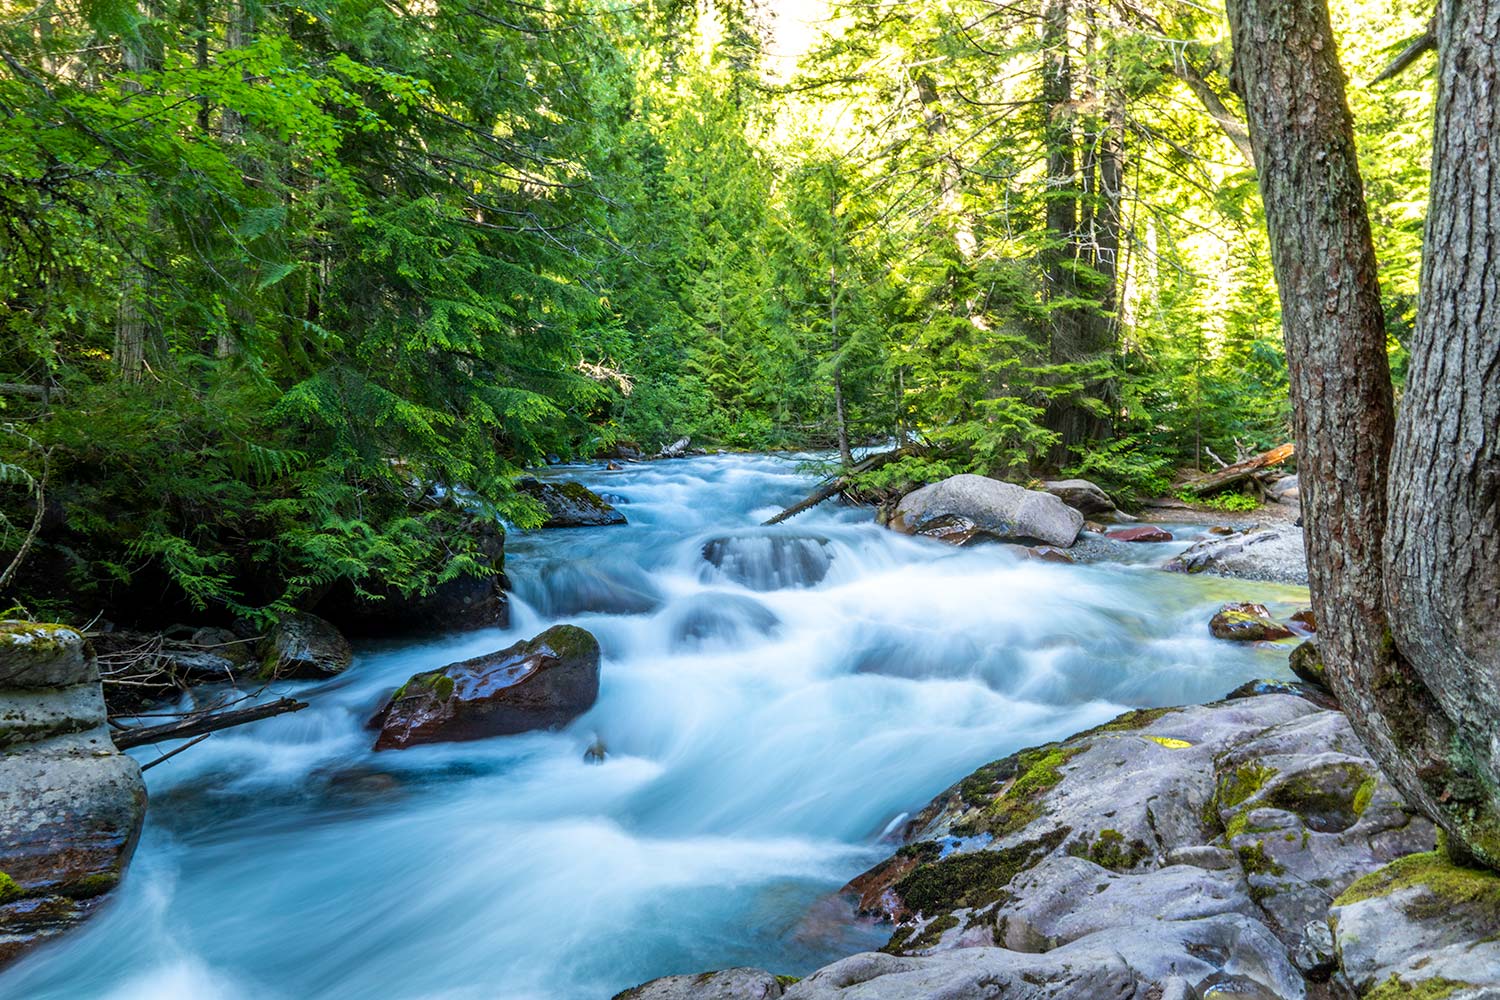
1248	848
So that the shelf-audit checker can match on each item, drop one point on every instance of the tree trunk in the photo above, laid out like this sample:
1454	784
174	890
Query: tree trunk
1442	580
1286	68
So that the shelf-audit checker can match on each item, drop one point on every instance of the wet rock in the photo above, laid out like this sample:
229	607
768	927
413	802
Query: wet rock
1242	622
1307	663
721	619
1274	554
1143	533
968	508
564	589
305	647
1254	689
596	752
1423	922
569	504
71	806
538	684
1046	553
770	561
730	984
1305	620
1080	494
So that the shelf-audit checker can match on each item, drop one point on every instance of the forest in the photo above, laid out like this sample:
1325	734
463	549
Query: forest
318	319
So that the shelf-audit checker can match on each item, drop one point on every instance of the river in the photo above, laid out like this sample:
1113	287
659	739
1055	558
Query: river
764	737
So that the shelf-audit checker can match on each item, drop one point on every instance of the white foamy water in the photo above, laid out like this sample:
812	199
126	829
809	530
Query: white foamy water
768	719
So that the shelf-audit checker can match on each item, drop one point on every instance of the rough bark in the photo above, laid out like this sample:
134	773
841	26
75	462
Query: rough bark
1240	471
1442	580
1287	70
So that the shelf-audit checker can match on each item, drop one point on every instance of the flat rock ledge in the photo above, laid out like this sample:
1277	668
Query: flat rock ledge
1248	848
71	805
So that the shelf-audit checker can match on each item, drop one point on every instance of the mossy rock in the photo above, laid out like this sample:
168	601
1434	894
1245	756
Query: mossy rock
42	655
1448	888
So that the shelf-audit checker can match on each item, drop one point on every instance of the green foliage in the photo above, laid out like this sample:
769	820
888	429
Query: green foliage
1221	501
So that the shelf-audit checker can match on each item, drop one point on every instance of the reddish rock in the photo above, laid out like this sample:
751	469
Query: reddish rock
538	684
1141	533
1305	620
1247	623
1047	553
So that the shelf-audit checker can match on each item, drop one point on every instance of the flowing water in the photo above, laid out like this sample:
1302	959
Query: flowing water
770	716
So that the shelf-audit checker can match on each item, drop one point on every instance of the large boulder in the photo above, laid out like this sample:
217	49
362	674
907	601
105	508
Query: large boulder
569	504
538	684
1276	554
305	647
71	806
1080	494
967	508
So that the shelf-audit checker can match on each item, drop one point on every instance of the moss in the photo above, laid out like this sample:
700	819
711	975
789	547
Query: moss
1136	718
1449	887
40	636
933	932
1329	797
973	879
1255	861
1363	794
788	980
433	682
1036	771
90	886
8	888
1436	988
1109	850
1241	783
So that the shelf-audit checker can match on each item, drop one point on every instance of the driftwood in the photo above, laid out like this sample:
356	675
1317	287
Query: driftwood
676	449
1240	471
202	723
841	483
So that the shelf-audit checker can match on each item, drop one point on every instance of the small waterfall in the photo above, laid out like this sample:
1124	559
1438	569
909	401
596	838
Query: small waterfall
774	703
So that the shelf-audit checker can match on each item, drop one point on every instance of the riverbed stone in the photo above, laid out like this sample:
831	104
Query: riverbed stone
304	646
721	620
727	984
1245	622
1141	533
569	504
1275	554
541	683
967	508
71	805
1080	494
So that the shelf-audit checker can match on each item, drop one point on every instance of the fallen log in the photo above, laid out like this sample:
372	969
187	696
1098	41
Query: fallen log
200	723
1231	474
841	483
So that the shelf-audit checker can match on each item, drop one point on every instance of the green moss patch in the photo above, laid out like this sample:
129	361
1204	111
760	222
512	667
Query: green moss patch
1109	850
1241	783
1435	988
8	888
972	879
1449	887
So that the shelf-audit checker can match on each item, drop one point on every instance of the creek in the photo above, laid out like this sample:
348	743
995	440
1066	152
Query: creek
769	722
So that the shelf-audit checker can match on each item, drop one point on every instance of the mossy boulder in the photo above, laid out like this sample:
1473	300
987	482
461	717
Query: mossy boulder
1307	663
541	683
1421	925
569	504
1245	622
967	508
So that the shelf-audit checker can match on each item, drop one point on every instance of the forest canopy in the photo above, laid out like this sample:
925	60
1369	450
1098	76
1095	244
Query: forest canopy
277	281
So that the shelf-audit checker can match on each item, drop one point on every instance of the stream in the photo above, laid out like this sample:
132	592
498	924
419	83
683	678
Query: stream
768	721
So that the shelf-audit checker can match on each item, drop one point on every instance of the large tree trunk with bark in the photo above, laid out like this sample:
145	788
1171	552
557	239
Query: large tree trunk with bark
1388	678
1442	580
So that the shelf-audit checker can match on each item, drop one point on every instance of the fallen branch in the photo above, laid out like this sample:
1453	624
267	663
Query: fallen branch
174	752
1231	474
201	723
839	484
1425	42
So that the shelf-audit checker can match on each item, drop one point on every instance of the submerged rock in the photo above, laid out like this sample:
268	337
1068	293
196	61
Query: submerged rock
538	684
770	561
71	806
720	619
1243	622
1080	494
569	504
567	588
1143	533
305	647
968	508
1274	554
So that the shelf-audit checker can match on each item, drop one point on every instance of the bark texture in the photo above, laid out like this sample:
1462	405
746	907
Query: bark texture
1442	578
1411	682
